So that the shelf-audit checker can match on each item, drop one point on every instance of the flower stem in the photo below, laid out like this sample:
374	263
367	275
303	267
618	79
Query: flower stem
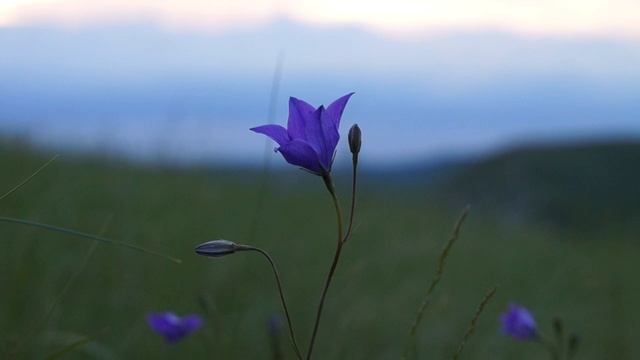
328	181
354	179
334	264
282	298
327	283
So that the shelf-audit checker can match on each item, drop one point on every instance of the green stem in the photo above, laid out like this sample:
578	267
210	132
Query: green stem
354	178
87	236
282	298
328	181
334	264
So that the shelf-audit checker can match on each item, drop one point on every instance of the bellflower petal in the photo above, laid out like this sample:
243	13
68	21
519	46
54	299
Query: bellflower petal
299	114
331	137
311	136
336	108
316	137
300	153
275	132
172	327
191	322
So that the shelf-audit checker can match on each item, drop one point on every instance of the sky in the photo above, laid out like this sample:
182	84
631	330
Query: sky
402	16
184	80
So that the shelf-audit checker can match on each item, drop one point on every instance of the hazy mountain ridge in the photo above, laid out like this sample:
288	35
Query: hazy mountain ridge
583	185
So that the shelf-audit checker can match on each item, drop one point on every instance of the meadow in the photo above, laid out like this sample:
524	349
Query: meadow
58	290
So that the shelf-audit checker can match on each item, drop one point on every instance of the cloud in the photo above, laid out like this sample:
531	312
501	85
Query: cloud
564	17
191	14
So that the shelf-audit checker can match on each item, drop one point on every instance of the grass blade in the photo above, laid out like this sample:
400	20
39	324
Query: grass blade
75	345
69	348
62	293
474	321
267	153
25	181
442	260
88	236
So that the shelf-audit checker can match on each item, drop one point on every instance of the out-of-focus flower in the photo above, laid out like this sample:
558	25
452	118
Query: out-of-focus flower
275	324
311	136
173	327
519	323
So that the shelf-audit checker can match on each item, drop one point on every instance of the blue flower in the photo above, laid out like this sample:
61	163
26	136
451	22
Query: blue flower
519	323
311	136
172	327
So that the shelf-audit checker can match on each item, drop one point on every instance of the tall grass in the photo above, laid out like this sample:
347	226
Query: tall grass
396	243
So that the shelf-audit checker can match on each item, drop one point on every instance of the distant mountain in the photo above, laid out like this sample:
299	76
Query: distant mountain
583	185
575	186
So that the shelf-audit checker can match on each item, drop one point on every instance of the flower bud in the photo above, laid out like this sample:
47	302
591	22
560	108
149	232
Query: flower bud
216	248
355	139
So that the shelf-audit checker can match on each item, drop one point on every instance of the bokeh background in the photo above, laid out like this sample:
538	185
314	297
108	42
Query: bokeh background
528	111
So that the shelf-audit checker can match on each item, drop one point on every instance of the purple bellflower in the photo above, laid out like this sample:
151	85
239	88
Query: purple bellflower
311	136
172	327
519	323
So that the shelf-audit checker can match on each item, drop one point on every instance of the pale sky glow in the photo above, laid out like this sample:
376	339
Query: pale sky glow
537	17
443	76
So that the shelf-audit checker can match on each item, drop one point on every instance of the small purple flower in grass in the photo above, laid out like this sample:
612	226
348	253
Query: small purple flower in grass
275	324
519	323
172	327
311	136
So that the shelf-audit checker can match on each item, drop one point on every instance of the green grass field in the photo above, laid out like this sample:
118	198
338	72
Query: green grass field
590	281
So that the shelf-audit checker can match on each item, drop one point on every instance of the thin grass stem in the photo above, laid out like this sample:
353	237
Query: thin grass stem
87	236
75	345
63	292
266	160
474	321
25	181
442	260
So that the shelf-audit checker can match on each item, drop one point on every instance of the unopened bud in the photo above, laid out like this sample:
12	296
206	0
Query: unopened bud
216	248
355	139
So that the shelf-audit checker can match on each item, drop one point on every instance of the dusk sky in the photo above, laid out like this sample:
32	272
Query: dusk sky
553	17
185	80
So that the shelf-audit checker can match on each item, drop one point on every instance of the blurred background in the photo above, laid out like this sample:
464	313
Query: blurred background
528	111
